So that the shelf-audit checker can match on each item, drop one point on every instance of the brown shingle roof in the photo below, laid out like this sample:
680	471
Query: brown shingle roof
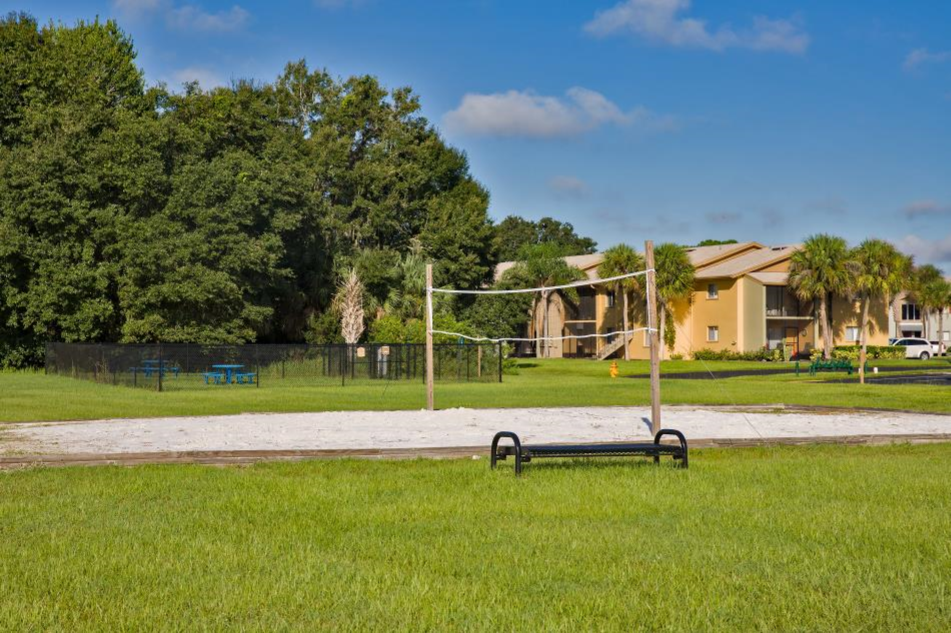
747	262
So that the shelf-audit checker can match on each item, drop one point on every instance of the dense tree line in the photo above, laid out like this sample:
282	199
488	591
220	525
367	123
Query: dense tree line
132	213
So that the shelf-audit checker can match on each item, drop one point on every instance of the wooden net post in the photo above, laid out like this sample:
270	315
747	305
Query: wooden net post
430	404
654	332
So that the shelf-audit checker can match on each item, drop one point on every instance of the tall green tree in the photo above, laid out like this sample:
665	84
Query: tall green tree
622	260
879	272
227	215
818	271
67	94
674	279
513	233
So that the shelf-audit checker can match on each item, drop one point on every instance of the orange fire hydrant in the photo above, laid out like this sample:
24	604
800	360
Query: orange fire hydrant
614	369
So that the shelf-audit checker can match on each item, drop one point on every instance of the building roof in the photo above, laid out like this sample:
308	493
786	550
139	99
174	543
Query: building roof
721	260
747	262
771	279
701	256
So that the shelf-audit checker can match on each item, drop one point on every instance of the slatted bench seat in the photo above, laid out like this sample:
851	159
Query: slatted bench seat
524	453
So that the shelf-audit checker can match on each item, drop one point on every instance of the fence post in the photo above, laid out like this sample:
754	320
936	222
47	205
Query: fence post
343	372
257	367
500	361
160	367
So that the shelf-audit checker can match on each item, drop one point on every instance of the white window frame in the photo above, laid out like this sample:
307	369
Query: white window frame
713	334
713	291
853	334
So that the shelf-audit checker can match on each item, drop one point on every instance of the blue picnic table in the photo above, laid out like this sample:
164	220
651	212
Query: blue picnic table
150	366
231	373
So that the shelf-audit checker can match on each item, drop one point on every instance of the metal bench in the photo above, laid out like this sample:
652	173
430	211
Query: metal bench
524	453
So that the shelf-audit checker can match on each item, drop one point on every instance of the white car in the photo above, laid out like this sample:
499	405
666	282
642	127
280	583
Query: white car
916	348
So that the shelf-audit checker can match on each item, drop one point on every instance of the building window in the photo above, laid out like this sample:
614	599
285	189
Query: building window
611	299
712	291
713	334
946	336
910	312
852	334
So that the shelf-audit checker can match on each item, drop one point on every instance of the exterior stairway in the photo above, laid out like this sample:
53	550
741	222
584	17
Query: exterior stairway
610	348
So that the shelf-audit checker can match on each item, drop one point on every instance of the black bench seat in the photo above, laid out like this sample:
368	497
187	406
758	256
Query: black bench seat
524	453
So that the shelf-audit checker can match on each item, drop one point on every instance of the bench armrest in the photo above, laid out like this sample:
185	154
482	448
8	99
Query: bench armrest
518	449
680	437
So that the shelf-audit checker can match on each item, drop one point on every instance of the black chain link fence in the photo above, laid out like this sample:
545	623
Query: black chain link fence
185	366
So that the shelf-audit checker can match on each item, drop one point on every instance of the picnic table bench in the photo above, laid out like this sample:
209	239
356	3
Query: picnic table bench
229	374
524	453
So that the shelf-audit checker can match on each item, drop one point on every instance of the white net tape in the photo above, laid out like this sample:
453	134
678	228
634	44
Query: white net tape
576	284
485	339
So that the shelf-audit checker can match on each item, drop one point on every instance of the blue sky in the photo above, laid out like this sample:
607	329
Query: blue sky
674	120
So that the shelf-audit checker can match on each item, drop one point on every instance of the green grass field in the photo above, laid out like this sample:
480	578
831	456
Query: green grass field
809	539
27	396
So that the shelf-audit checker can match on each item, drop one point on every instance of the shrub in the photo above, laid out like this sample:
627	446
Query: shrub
873	352
726	354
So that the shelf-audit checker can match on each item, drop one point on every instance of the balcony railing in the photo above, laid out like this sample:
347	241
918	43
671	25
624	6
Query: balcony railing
783	311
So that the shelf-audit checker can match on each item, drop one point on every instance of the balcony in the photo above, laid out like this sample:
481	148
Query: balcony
782	304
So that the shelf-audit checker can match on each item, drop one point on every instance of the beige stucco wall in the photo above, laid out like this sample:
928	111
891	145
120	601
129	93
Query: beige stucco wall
847	313
752	304
720	312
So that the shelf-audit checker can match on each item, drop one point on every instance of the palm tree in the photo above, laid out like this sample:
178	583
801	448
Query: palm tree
544	264
907	282
942	303
879	271
348	304
621	260
926	288
673	277
817	271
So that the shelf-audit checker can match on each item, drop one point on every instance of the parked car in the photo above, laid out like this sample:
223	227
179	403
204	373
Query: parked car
936	348
916	348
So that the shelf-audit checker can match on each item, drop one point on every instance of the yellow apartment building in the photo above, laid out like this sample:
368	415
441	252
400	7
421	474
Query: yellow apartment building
741	302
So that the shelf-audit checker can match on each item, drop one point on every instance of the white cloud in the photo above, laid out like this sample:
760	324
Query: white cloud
205	77
568	186
526	114
191	17
186	17
924	208
920	56
927	251
664	22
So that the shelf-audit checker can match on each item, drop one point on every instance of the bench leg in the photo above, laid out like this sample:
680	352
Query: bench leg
493	458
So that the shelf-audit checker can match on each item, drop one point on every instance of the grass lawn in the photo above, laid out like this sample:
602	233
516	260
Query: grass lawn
27	396
793	538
